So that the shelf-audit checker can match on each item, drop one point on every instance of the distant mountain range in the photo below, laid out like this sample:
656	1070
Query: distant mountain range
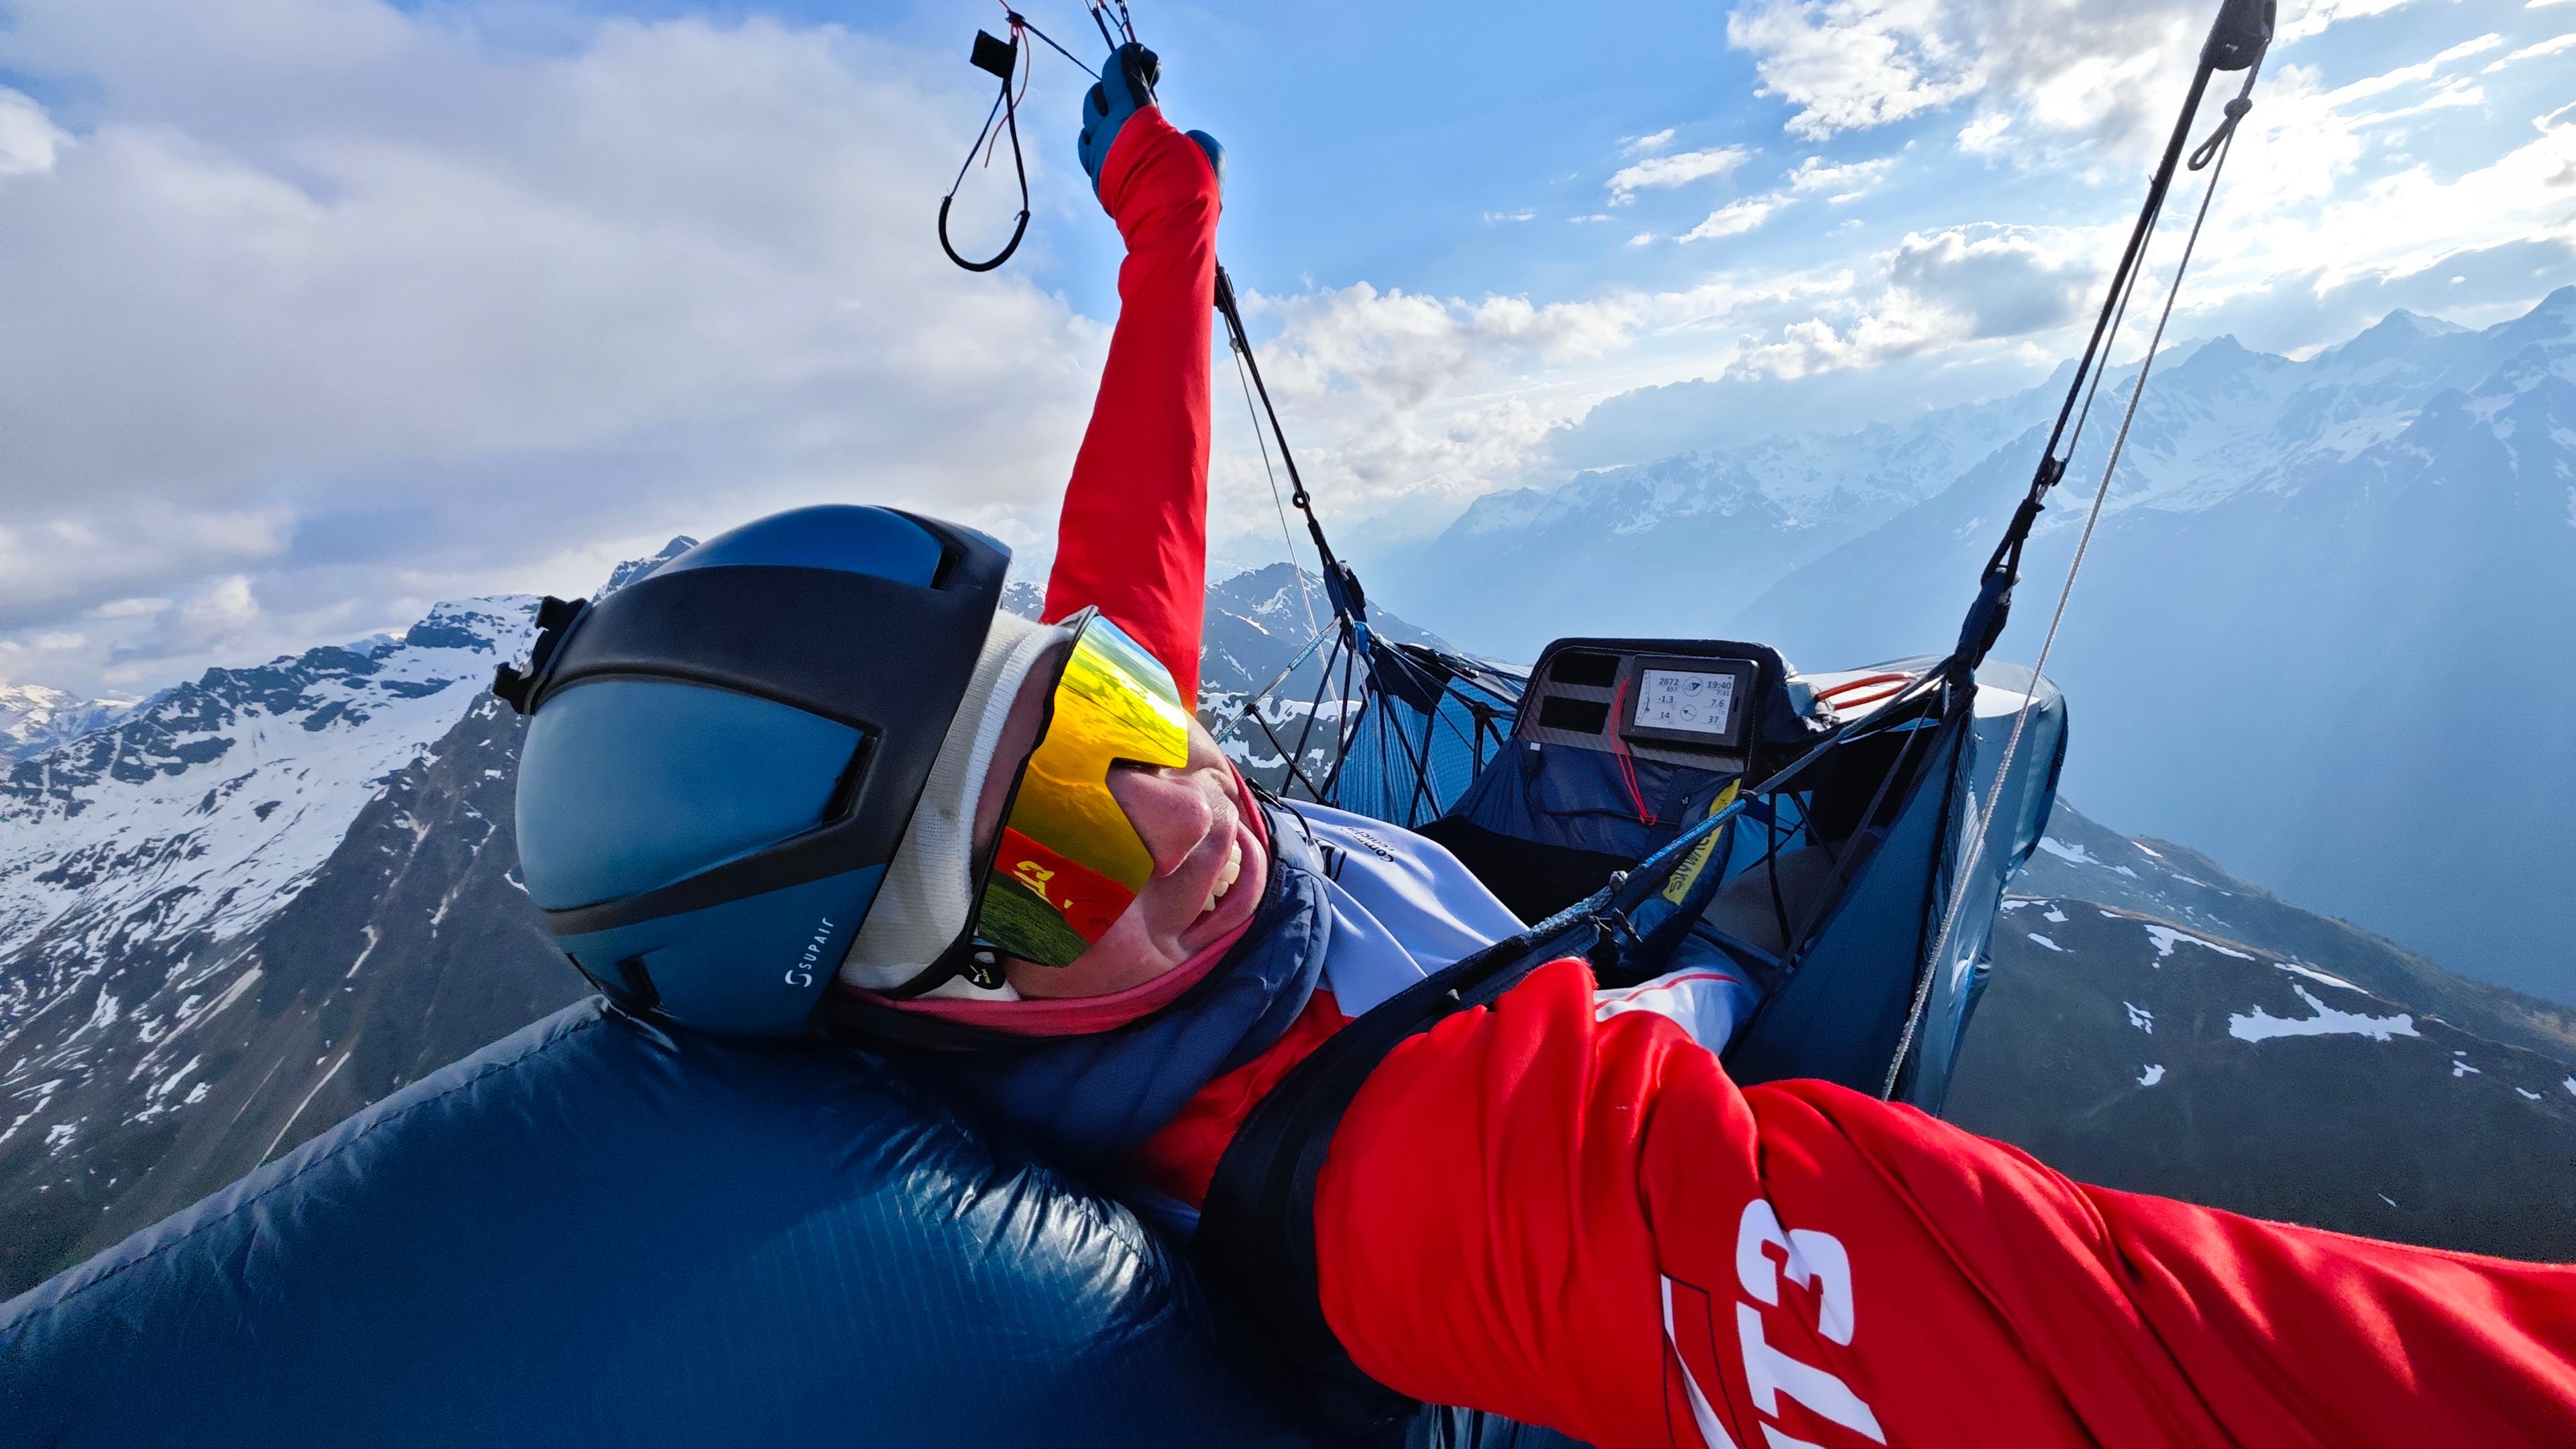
273	895
34	718
2323	630
1671	547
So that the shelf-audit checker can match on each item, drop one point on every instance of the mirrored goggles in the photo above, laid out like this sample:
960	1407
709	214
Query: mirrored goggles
1067	861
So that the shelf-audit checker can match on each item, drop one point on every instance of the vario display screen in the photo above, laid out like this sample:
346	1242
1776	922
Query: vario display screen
1699	704
1689	701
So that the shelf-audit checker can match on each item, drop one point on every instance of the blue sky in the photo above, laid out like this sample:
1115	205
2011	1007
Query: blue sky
315	311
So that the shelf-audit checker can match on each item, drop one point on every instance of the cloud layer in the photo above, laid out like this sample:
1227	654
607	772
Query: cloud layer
312	311
321	288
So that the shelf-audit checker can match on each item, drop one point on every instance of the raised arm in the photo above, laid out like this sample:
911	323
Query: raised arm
1133	538
1581	1222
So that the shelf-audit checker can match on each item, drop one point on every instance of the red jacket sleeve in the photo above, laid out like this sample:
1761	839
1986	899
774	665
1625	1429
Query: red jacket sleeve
1585	1224
1133	537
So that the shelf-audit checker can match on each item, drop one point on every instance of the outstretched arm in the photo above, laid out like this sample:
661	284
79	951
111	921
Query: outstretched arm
1583	1223
1133	538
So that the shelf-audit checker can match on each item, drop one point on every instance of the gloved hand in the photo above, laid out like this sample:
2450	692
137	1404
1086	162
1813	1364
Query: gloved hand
1127	81
1126	87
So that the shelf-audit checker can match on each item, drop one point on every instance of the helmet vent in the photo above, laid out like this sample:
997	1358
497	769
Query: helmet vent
845	791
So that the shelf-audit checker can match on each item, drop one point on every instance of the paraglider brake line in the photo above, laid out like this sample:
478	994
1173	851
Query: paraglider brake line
1001	58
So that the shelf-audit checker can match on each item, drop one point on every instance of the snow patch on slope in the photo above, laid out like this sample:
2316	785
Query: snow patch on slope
2261	1025
2166	937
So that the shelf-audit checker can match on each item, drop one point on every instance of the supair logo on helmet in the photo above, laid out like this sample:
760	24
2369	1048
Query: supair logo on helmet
802	973
722	756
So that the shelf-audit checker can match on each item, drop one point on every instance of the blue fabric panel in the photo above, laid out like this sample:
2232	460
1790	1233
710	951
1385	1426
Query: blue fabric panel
1421	742
593	1233
611	768
1561	795
749	967
827	536
1959	979
1842	1013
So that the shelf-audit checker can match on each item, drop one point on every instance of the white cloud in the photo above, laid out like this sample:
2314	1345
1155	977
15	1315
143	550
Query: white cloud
1848	181
1679	169
2466	48
315	310
313	276
136	608
2000	281
1854	63
1405	406
2097	75
28	138
2313	17
1734	219
2302	218
1494	217
1971	291
54	567
2551	46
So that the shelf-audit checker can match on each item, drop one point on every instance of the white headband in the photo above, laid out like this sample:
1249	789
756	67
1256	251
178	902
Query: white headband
929	889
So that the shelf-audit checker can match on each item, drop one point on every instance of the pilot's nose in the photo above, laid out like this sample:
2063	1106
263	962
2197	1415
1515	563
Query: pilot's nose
1169	809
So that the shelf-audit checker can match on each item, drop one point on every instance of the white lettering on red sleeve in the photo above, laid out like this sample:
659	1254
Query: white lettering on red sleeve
1769	1373
1812	1260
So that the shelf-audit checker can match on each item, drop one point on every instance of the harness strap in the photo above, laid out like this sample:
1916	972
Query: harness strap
1256	1235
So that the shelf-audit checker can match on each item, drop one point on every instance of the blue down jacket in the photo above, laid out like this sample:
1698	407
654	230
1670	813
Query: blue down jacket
597	1232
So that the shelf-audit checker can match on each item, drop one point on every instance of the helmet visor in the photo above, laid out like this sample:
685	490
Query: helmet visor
1067	862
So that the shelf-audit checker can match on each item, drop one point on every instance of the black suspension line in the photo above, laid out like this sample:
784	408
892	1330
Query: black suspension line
1341	586
2237	41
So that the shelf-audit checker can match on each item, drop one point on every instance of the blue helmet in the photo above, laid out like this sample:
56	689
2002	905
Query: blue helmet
722	756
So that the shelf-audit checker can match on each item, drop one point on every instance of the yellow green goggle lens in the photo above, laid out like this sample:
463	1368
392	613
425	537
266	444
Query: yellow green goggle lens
1067	862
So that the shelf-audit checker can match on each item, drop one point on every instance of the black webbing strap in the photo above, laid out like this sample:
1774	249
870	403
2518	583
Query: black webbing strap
1256	1237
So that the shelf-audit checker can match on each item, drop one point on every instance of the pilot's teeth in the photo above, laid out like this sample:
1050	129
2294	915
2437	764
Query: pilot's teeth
1226	878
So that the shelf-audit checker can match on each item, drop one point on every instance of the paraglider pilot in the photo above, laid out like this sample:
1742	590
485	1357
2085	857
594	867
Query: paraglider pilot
1557	1207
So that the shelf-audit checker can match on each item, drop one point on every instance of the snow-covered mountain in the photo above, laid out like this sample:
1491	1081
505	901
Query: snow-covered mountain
35	718
1676	545
1256	624
209	810
2321	632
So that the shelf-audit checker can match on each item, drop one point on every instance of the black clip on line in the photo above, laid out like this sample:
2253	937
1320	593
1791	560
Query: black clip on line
1000	57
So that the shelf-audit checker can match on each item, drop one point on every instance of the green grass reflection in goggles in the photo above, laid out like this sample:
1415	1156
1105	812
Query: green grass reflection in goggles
1067	862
